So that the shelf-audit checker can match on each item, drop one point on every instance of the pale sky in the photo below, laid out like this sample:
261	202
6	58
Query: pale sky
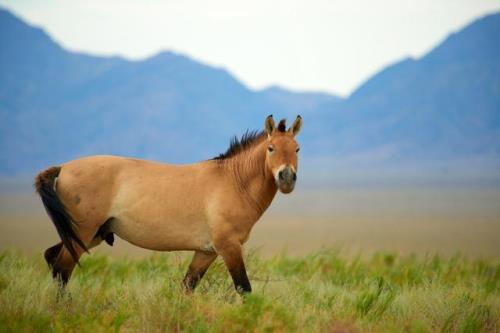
321	45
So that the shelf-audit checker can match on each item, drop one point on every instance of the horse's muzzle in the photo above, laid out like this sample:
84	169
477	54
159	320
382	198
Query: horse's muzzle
286	180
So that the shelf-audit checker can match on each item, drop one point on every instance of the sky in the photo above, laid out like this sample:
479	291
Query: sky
320	45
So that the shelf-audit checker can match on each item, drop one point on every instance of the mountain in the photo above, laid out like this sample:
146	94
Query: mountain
298	102
444	105
56	105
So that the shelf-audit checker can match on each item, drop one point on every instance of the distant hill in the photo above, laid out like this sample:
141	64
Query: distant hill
298	102
443	105
56	105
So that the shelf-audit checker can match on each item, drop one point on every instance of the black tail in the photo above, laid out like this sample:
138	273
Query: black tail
44	185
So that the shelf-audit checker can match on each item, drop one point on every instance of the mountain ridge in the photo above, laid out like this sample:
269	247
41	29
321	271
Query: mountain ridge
446	102
58	105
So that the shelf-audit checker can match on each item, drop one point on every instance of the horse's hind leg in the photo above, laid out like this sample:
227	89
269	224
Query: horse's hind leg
199	265
63	265
51	254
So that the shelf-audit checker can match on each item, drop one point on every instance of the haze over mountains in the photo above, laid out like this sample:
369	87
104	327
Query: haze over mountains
57	105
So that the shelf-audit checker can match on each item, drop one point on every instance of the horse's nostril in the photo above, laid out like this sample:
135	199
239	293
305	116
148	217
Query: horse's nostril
294	176
280	175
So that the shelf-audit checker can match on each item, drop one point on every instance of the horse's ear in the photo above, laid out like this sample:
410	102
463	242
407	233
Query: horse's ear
269	124
295	128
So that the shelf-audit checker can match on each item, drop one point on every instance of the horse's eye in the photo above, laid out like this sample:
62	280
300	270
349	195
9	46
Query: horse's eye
297	150
270	149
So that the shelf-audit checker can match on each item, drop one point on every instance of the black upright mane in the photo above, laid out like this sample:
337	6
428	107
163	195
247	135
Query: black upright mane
237	145
247	140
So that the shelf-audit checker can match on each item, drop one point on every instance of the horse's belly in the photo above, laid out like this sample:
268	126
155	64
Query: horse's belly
160	213
163	235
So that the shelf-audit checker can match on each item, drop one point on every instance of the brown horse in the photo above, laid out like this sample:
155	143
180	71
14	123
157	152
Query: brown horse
207	207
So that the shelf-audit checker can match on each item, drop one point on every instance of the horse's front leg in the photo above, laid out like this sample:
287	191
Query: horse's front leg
199	265
231	252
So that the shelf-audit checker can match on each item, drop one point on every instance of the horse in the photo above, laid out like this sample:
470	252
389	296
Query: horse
207	207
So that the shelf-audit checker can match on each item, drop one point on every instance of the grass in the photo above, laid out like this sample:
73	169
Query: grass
322	292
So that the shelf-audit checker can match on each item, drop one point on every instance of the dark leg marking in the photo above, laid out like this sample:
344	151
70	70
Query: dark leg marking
240	279
233	258
61	275
63	267
191	280
198	267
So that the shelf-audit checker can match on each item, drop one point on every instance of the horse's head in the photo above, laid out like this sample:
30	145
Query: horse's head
282	152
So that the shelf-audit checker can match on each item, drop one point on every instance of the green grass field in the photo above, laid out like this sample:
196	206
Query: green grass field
322	292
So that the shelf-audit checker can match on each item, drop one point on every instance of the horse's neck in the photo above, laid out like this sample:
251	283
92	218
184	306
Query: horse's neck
254	181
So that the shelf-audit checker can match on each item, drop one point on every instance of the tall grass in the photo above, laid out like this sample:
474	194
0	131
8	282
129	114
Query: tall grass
324	291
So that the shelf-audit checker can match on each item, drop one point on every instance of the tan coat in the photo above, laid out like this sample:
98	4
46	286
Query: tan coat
209	207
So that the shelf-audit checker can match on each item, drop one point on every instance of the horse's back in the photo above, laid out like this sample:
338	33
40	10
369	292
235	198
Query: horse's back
106	170
91	174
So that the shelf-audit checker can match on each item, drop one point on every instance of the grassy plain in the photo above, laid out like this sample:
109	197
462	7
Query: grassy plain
322	292
412	260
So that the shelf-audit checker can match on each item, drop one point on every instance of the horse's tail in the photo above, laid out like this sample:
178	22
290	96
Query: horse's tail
45	185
